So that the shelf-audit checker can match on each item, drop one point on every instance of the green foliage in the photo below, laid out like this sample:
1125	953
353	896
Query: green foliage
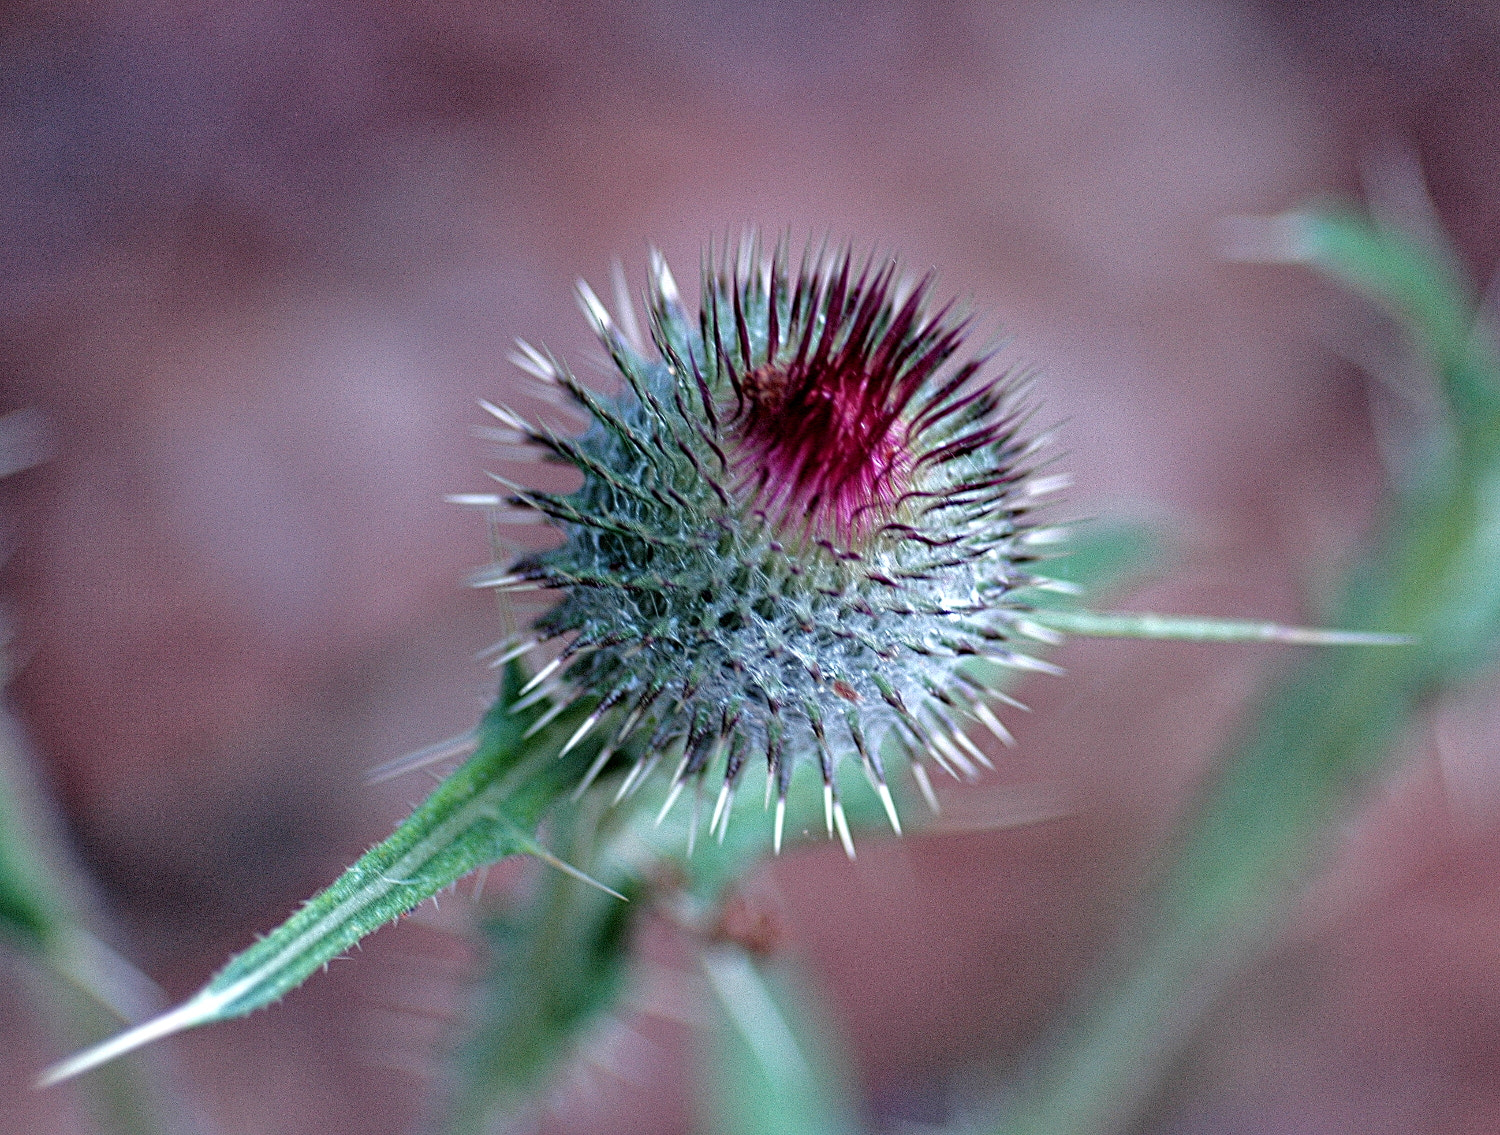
770	1064
486	809
556	967
30	913
1328	728
558	958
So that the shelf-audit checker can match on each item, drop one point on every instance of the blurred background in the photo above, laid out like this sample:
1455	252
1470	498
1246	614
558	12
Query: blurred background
261	258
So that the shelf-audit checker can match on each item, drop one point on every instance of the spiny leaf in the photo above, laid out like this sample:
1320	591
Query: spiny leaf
1194	629
485	810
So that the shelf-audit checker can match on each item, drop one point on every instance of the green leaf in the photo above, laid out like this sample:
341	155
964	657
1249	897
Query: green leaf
556	967
1326	730
1419	286
772	1064
487	809
1103	556
32	912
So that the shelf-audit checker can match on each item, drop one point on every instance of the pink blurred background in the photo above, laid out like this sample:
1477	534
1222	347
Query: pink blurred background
262	258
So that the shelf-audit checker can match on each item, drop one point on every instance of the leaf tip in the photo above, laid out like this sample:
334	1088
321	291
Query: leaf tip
199	1010
1282	239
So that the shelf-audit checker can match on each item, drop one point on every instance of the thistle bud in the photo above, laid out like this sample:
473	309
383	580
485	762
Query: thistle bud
800	523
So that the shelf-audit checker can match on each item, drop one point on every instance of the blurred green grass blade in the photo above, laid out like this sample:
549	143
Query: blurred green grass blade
34	907
771	1065
556	969
31	909
38	913
1419	286
1325	732
1414	282
485	810
1438	576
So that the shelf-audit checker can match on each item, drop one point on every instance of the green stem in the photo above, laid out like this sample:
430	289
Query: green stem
556	967
1325	732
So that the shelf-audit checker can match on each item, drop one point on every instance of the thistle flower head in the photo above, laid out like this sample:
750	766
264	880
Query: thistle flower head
799	524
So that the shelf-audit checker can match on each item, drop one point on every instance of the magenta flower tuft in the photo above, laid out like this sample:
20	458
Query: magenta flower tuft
824	425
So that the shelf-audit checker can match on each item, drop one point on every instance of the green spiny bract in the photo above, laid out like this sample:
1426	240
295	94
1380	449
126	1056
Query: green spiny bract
800	523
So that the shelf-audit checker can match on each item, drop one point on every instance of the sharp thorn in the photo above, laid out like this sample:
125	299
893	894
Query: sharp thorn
541	675
546	719
973	750
594	770
720	806
843	825
579	734
924	782
594	309
693	821
462	745
671	799
992	723
568	869
884	791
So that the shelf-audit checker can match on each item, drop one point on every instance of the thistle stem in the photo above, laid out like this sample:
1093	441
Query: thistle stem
1325	733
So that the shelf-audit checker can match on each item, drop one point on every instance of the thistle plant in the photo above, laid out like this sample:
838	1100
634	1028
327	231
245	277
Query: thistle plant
1327	731
806	519
806	537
